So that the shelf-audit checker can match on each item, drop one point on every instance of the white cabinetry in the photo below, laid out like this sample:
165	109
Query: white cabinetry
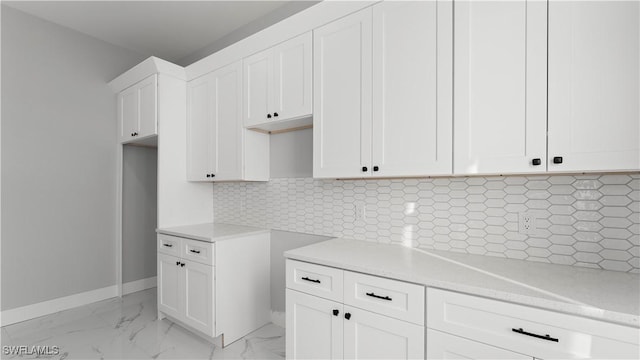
594	85
445	346
137	110
377	74
322	324
500	86
277	85
219	148
215	288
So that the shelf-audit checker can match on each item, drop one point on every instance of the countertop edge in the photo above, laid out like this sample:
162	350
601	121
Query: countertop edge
210	239
537	302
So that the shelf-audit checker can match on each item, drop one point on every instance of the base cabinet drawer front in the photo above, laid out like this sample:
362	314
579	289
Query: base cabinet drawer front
526	330
445	346
198	251
314	327
314	279
169	245
393	298
372	336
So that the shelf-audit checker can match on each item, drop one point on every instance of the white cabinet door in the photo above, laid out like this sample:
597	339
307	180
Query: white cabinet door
198	296
200	98
412	84
342	97
227	127
314	327
444	346
594	81
292	78
169	285
148	104
500	86
258	81
128	113
371	336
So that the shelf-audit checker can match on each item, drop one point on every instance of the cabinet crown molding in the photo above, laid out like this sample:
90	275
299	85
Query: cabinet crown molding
150	66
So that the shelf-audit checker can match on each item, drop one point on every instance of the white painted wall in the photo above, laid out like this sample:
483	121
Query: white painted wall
58	160
139	212
292	154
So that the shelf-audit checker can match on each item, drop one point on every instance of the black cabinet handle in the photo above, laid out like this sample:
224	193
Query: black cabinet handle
268	116
311	280
347	316
364	169
168	245
182	264
336	312
275	114
379	297
195	251
557	159
543	337
178	263
536	162
208	175
213	175
375	168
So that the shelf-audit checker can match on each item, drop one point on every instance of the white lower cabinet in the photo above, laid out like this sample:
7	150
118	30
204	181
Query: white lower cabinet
322	328
445	346
169	282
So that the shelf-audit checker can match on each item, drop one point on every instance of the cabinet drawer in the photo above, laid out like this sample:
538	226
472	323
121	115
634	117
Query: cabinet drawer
526	330
169	245
198	251
314	279
393	298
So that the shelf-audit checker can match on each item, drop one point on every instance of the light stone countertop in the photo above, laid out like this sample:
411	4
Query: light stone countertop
211	232
599	294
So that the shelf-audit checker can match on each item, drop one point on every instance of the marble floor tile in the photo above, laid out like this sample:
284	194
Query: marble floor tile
128	328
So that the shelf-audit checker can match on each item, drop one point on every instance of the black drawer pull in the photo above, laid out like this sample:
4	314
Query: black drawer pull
168	245
379	297
543	337
195	251
312	280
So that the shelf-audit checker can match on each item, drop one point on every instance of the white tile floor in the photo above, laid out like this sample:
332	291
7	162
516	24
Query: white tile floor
128	328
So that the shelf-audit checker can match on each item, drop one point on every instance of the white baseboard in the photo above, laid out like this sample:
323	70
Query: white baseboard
32	311
278	318
139	285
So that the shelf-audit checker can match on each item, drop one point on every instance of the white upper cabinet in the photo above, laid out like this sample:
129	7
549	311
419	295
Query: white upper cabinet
342	97
277	83
594	77
412	75
377	78
500	86
138	109
218	149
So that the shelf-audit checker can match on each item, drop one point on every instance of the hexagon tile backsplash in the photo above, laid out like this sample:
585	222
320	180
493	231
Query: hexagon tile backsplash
582	220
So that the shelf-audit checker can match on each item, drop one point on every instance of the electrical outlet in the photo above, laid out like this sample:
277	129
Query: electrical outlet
527	223
360	210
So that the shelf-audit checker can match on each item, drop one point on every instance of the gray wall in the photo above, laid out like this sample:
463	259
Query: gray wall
282	241
58	160
292	154
275	16
139	212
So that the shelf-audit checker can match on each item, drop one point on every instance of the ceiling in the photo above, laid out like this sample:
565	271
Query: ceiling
170	30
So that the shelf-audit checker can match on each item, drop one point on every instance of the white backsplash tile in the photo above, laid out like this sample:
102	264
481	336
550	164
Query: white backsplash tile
584	220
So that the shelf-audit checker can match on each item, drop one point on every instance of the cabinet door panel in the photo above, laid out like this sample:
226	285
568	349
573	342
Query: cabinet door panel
313	331
499	86
128	113
292	78
226	137
594	80
371	336
199	128
342	97
411	76
444	346
147	94
169	291
198	293
258	78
